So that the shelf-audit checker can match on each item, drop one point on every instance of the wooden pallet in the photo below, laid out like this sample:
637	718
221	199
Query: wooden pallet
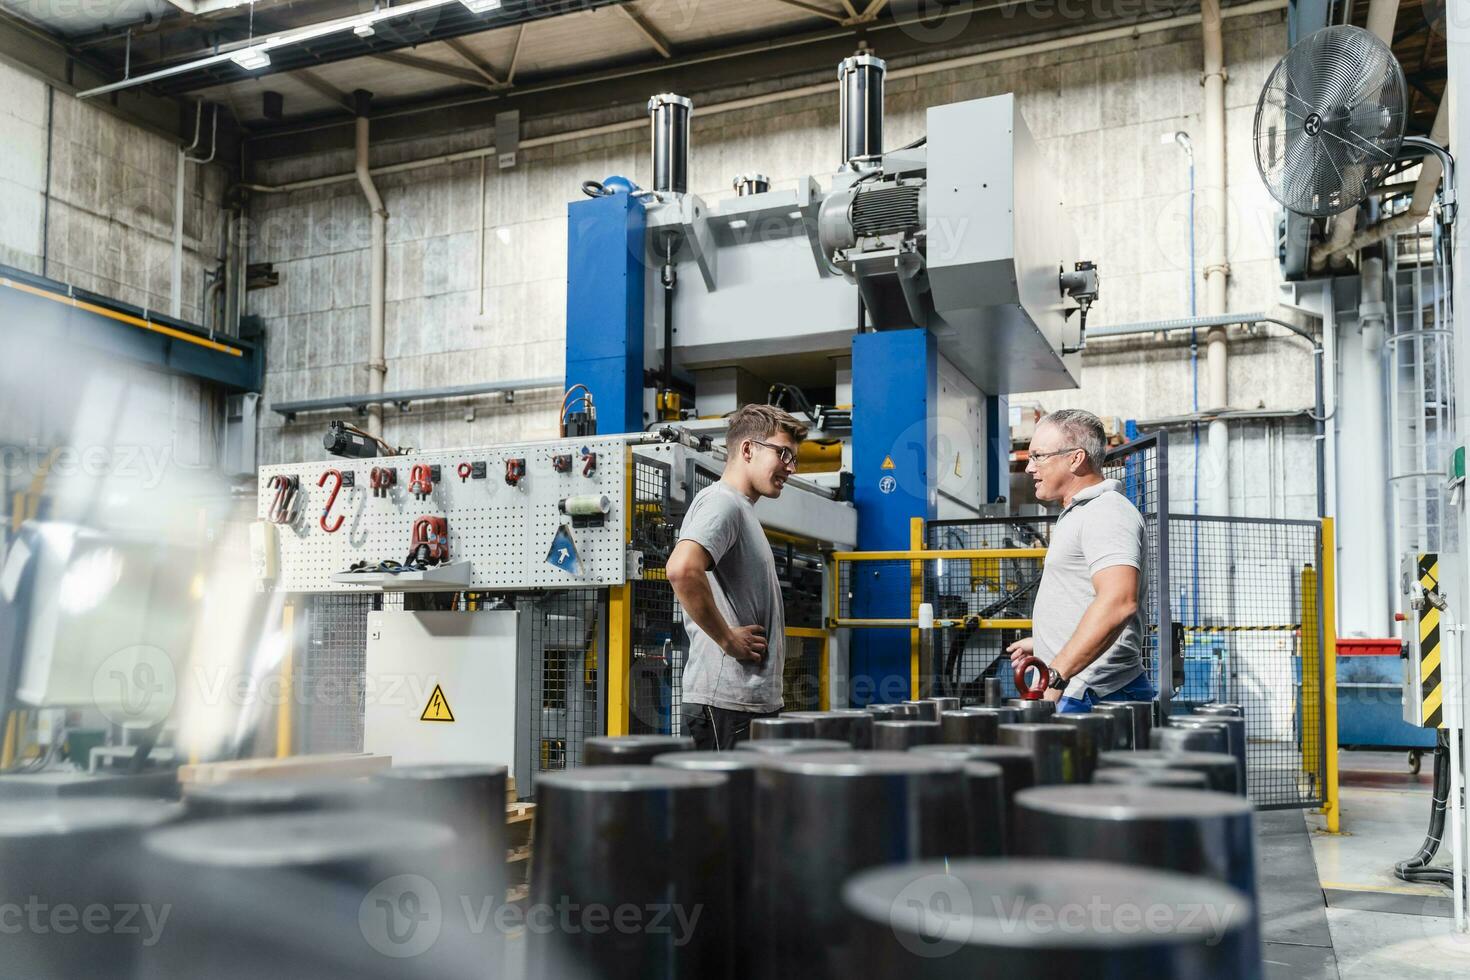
333	766
520	822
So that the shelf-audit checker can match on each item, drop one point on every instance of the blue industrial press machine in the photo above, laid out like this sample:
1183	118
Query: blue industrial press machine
919	286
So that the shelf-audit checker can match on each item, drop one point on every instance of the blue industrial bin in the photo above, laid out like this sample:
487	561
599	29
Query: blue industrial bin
1370	697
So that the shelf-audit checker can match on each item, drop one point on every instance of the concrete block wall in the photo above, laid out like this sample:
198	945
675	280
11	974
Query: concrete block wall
109	230
1096	109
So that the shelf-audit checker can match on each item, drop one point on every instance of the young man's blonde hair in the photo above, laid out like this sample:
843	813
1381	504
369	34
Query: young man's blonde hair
761	422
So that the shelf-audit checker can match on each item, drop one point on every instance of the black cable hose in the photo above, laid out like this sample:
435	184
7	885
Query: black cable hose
1416	868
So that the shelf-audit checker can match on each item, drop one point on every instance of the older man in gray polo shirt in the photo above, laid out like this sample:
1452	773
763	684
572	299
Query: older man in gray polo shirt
1087	623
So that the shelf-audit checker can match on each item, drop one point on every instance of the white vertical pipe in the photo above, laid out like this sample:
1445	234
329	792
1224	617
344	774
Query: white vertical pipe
176	264
1217	266
377	367
1457	95
1378	566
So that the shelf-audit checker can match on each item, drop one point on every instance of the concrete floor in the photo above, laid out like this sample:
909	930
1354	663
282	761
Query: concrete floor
1378	925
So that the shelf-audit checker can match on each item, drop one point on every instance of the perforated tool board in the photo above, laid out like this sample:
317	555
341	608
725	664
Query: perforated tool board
504	532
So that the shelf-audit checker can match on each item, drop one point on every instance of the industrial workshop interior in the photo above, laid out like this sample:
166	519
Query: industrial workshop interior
710	489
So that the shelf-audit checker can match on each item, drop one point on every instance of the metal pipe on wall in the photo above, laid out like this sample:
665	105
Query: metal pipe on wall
377	367
1217	265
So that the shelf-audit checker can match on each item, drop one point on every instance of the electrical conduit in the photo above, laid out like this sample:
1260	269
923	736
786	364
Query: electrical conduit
1217	267
377	367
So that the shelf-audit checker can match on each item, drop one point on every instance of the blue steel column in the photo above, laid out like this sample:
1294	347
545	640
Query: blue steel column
895	402
605	306
997	448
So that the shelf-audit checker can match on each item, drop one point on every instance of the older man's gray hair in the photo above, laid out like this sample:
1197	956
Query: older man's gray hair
1081	430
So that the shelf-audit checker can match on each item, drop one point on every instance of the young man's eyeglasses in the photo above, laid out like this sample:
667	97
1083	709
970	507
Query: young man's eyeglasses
787	456
1056	452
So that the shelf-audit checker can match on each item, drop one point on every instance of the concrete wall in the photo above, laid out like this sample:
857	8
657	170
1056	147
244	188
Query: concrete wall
1097	110
108	230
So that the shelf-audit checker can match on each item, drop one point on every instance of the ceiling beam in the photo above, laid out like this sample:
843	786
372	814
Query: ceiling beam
812	8
659	42
324	88
468	56
515	55
431	67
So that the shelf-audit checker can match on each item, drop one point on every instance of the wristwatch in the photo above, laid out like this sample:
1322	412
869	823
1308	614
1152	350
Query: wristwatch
1055	681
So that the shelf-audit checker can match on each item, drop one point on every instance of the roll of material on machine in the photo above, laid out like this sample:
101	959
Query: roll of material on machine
585	505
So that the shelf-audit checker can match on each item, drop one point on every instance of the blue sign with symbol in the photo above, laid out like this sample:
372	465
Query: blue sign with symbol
563	553
888	484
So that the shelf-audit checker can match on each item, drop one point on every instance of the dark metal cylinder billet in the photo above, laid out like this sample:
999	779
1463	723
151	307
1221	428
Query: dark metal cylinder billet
631	750
987	808
902	734
861	110
968	726
926	710
1129	775
946	703
470	800
791	746
74	853
1035	712
739	768
1006	715
841	812
1235	731
1192	738
1198	833
851	725
1143	721
1122	724
670	117
348	894
1053	748
1049	920
748	184
1017	767
782	727
1094	735
887	710
672	852
244	797
992	693
1218	768
1229	710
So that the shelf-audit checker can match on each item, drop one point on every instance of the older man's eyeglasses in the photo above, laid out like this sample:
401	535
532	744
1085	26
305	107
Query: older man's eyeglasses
1056	452
787	457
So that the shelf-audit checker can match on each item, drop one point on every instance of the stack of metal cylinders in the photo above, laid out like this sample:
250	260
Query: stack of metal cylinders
1198	833
969	726
245	797
1235	733
470	800
1216	708
851	725
310	895
782	726
820	818
1033	712
1190	738
1017	767
925	710
1133	776
1094	735
887	711
945	703
739	769
903	734
638	840
1005	919
1122	718
76	854
1053	749
791	746
1218	768
631	750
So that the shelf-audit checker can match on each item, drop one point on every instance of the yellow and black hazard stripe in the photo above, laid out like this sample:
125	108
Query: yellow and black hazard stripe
1431	685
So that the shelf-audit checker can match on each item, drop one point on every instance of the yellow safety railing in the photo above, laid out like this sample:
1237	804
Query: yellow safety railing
1319	674
1331	808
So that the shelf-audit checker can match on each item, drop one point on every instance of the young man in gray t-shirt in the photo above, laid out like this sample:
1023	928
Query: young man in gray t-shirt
724	577
1088	616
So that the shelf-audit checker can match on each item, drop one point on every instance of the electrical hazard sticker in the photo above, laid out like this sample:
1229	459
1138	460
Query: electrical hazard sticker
888	463
438	708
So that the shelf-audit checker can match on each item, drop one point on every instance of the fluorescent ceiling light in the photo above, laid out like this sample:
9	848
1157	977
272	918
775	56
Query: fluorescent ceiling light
365	29
251	59
481	6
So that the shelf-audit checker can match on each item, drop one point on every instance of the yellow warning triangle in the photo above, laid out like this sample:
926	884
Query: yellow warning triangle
437	709
888	462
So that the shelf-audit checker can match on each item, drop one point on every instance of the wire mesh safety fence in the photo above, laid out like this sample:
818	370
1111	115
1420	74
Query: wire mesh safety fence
1247	597
658	641
566	675
1141	468
328	679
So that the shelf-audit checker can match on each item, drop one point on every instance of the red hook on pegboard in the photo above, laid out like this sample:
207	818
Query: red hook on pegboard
1029	693
331	499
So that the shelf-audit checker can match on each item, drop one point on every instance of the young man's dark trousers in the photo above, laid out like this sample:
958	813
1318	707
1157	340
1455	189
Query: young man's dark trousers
718	729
